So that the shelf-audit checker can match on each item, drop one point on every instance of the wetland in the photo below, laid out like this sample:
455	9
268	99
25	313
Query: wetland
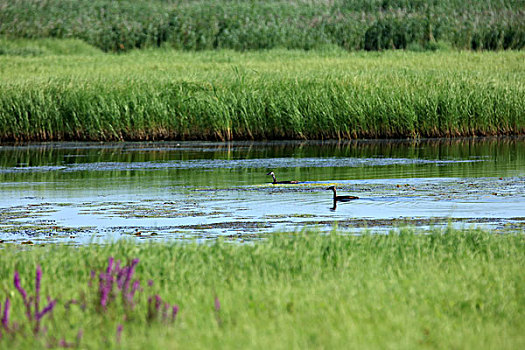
135	206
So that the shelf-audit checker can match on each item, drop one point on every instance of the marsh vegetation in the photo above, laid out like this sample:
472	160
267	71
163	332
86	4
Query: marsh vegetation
224	95
117	26
445	289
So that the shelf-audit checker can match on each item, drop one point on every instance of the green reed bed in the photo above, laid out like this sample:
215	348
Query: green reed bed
447	289
264	24
279	94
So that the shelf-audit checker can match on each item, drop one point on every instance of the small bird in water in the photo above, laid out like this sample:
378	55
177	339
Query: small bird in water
341	198
281	182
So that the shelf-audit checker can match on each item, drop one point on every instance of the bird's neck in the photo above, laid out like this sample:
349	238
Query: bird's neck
274	179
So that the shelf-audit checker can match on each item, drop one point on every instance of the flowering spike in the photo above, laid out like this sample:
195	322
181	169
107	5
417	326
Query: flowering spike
45	310
174	312
110	264
119	332
165	311
106	282
217	304
129	274
5	317
18	286
129	296
38	279
135	286
158	302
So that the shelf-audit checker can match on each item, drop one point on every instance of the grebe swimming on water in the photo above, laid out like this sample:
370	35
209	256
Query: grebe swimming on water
341	198
281	182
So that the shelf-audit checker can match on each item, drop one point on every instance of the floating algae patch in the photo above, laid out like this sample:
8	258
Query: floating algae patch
230	225
9	215
284	216
44	232
151	209
406	221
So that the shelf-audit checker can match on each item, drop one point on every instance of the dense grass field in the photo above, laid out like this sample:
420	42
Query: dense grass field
448	289
63	90
264	24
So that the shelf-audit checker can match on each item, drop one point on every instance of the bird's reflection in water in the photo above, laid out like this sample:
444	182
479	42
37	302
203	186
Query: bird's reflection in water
340	198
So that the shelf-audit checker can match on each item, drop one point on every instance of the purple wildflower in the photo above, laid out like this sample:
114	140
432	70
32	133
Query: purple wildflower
150	283
121	277
18	286
154	310
135	286
105	288
21	290
217	311
5	317
158	302
129	274
45	310
110	265
64	344
38	279
217	304
130	295
119	332
165	311
174	312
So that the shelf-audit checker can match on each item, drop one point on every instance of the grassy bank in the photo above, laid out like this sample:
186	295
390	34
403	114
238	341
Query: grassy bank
164	94
453	289
264	24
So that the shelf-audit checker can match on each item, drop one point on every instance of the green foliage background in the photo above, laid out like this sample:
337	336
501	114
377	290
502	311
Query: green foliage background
264	24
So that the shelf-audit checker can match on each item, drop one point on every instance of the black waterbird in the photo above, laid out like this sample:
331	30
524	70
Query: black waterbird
281	182
341	198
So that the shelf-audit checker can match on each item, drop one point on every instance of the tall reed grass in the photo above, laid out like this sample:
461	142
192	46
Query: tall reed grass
248	25
269	95
447	289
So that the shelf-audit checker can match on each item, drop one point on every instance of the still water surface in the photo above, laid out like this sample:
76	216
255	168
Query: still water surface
80	192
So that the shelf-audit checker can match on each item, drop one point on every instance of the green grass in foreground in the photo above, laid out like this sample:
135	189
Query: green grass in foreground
451	289
165	94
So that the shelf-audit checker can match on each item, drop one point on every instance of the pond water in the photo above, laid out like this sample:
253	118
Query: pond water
83	192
